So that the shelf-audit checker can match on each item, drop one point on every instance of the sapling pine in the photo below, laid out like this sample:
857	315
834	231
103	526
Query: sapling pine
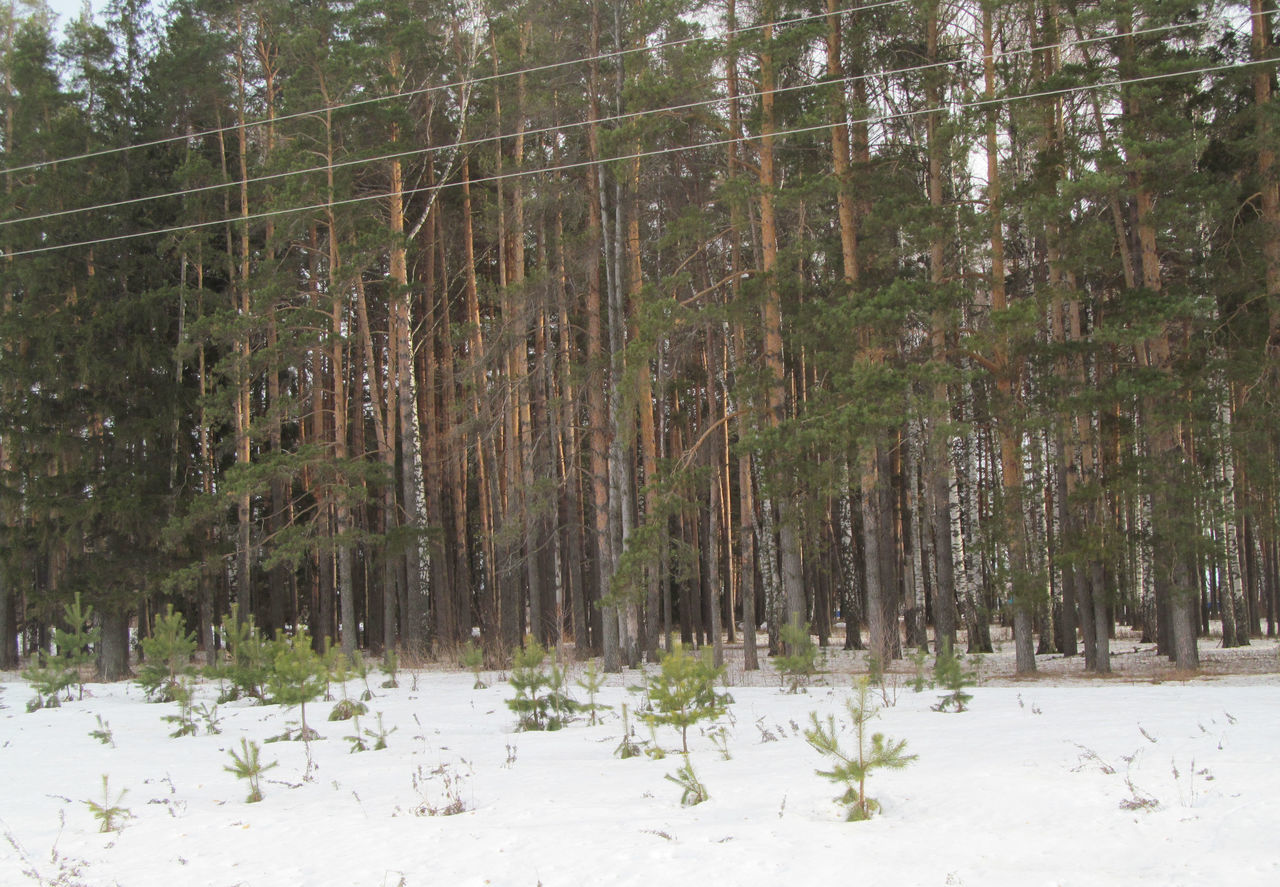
377	736
719	737
950	674
920	680
103	733
472	657
591	682
391	665
361	668
166	656
184	721
76	641
346	707
683	692
298	677
110	814
627	748
57	673
694	792
249	658
541	702
799	661
49	678
209	715
248	765
852	767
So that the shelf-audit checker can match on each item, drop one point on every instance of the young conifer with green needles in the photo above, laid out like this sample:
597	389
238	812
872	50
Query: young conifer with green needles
110	814
694	791
683	692
166	656
799	661
249	659
298	677
949	673
852	767
472	657
248	765
541	701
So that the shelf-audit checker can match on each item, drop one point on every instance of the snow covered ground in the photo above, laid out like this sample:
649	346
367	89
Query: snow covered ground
1056	780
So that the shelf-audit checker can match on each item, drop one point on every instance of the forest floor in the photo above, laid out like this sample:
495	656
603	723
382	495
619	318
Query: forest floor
1143	777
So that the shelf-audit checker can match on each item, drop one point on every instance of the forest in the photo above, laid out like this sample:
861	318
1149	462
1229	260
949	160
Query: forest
617	322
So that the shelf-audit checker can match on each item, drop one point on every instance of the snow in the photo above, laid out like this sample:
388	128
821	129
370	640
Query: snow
1057	780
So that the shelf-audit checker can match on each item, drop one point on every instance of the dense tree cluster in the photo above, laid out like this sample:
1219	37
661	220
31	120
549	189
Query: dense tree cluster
612	320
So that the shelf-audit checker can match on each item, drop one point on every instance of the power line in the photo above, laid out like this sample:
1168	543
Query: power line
426	90
640	155
562	127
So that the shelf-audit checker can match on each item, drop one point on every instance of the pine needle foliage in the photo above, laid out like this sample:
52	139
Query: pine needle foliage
75	643
299	676
248	765
49	678
167	656
541	701
799	661
110	814
628	747
249	659
949	673
683	692
873	752
103	733
472	657
591	682
694	791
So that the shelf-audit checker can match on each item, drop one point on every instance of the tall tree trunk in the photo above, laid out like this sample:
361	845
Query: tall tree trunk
737	344
341	514
113	645
792	585
243	406
1166	437
600	393
1261	12
939	466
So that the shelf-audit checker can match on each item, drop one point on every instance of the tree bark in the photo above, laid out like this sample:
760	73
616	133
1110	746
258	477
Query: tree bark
113	645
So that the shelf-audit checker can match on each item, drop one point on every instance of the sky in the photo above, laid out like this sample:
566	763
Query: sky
69	9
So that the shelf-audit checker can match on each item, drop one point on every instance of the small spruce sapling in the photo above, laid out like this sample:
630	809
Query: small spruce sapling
378	736
110	814
248	765
950	674
694	791
184	721
209	714
472	657
54	674
683	692
49	678
361	668
921	680
249	658
541	702
298	677
103	733
799	662
346	707
872	753
391	666
166	657
75	644
627	748
591	682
